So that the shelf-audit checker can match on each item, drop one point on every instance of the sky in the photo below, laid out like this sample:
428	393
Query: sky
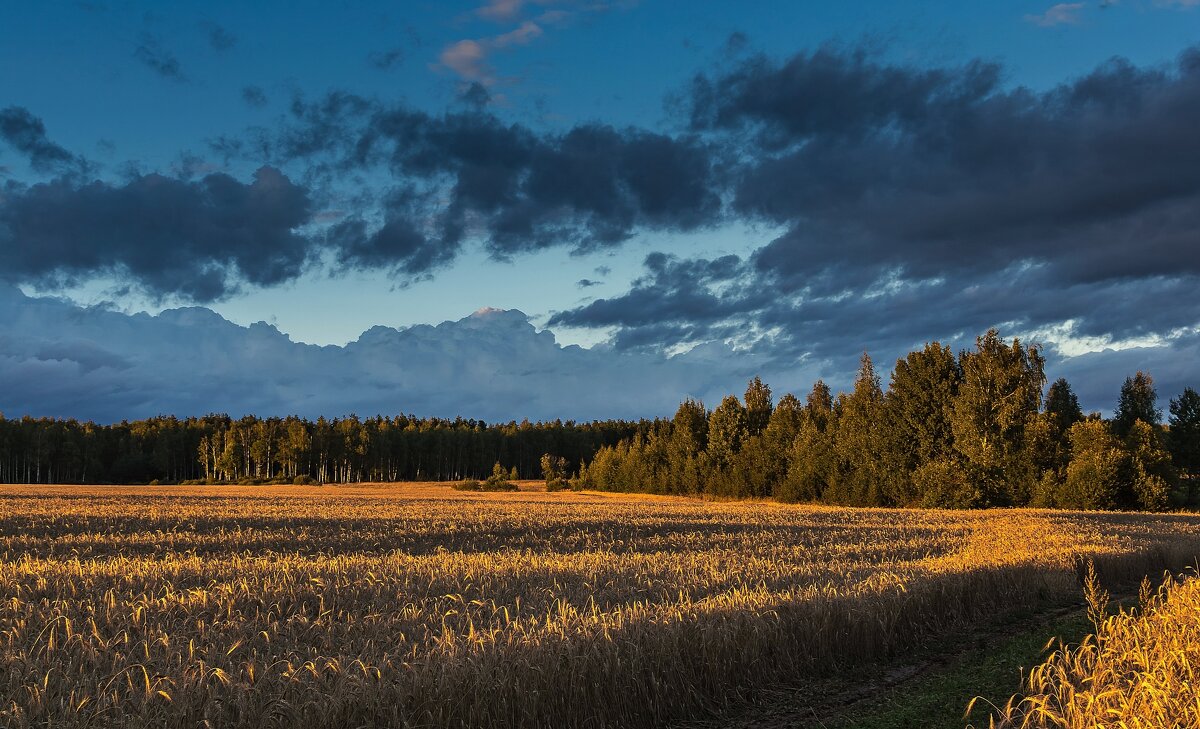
548	208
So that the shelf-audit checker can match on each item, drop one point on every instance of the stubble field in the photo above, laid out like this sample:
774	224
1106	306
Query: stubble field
416	605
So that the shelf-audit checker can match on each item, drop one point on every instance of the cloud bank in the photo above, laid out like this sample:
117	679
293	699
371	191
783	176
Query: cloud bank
60	360
57	359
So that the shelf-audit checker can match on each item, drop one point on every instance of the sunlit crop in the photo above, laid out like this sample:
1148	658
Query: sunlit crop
424	606
1138	671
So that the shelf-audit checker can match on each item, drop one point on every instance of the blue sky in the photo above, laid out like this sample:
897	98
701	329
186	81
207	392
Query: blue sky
184	93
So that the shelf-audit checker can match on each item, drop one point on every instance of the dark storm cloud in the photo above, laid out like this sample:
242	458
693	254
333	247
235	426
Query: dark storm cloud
195	239
515	189
396	245
671	291
937	202
162	61
475	95
943	170
26	133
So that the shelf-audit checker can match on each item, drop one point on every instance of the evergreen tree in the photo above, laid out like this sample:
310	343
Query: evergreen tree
758	406
819	404
810	461
810	457
1001	387
857	478
726	431
786	418
918	409
1185	432
554	471
689	428
1138	401
762	463
1062	407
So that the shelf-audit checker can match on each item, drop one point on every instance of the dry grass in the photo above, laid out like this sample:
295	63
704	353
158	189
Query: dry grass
418	605
1138	671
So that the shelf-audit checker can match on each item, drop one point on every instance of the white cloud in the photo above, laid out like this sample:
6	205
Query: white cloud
1060	14
62	360
500	10
468	58
523	34
58	359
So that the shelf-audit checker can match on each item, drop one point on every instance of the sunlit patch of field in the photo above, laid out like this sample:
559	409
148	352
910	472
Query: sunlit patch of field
1138	671
419	605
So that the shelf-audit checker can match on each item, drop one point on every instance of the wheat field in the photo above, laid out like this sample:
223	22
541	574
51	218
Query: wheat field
1137	671
417	605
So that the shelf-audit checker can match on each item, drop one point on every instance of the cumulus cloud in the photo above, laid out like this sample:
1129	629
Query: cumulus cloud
922	203
57	359
459	177
909	203
500	10
197	239
886	172
515	189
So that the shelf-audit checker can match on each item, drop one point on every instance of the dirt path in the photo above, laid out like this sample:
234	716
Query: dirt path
835	702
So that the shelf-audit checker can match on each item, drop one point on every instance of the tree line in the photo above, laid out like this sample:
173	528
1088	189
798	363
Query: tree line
218	448
965	430
971	430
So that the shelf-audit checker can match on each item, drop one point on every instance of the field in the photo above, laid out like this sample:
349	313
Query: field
1136	672
419	605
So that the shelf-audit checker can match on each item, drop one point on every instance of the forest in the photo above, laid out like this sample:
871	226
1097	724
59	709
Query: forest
974	429
221	449
956	432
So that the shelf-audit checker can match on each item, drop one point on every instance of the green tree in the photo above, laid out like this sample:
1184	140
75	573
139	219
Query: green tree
1152	472
1185	432
1098	476
782	429
554	471
758	406
818	406
689	427
1138	401
1001	387
726	431
810	461
948	483
1048	450
1062	407
857	477
810	456
918	410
